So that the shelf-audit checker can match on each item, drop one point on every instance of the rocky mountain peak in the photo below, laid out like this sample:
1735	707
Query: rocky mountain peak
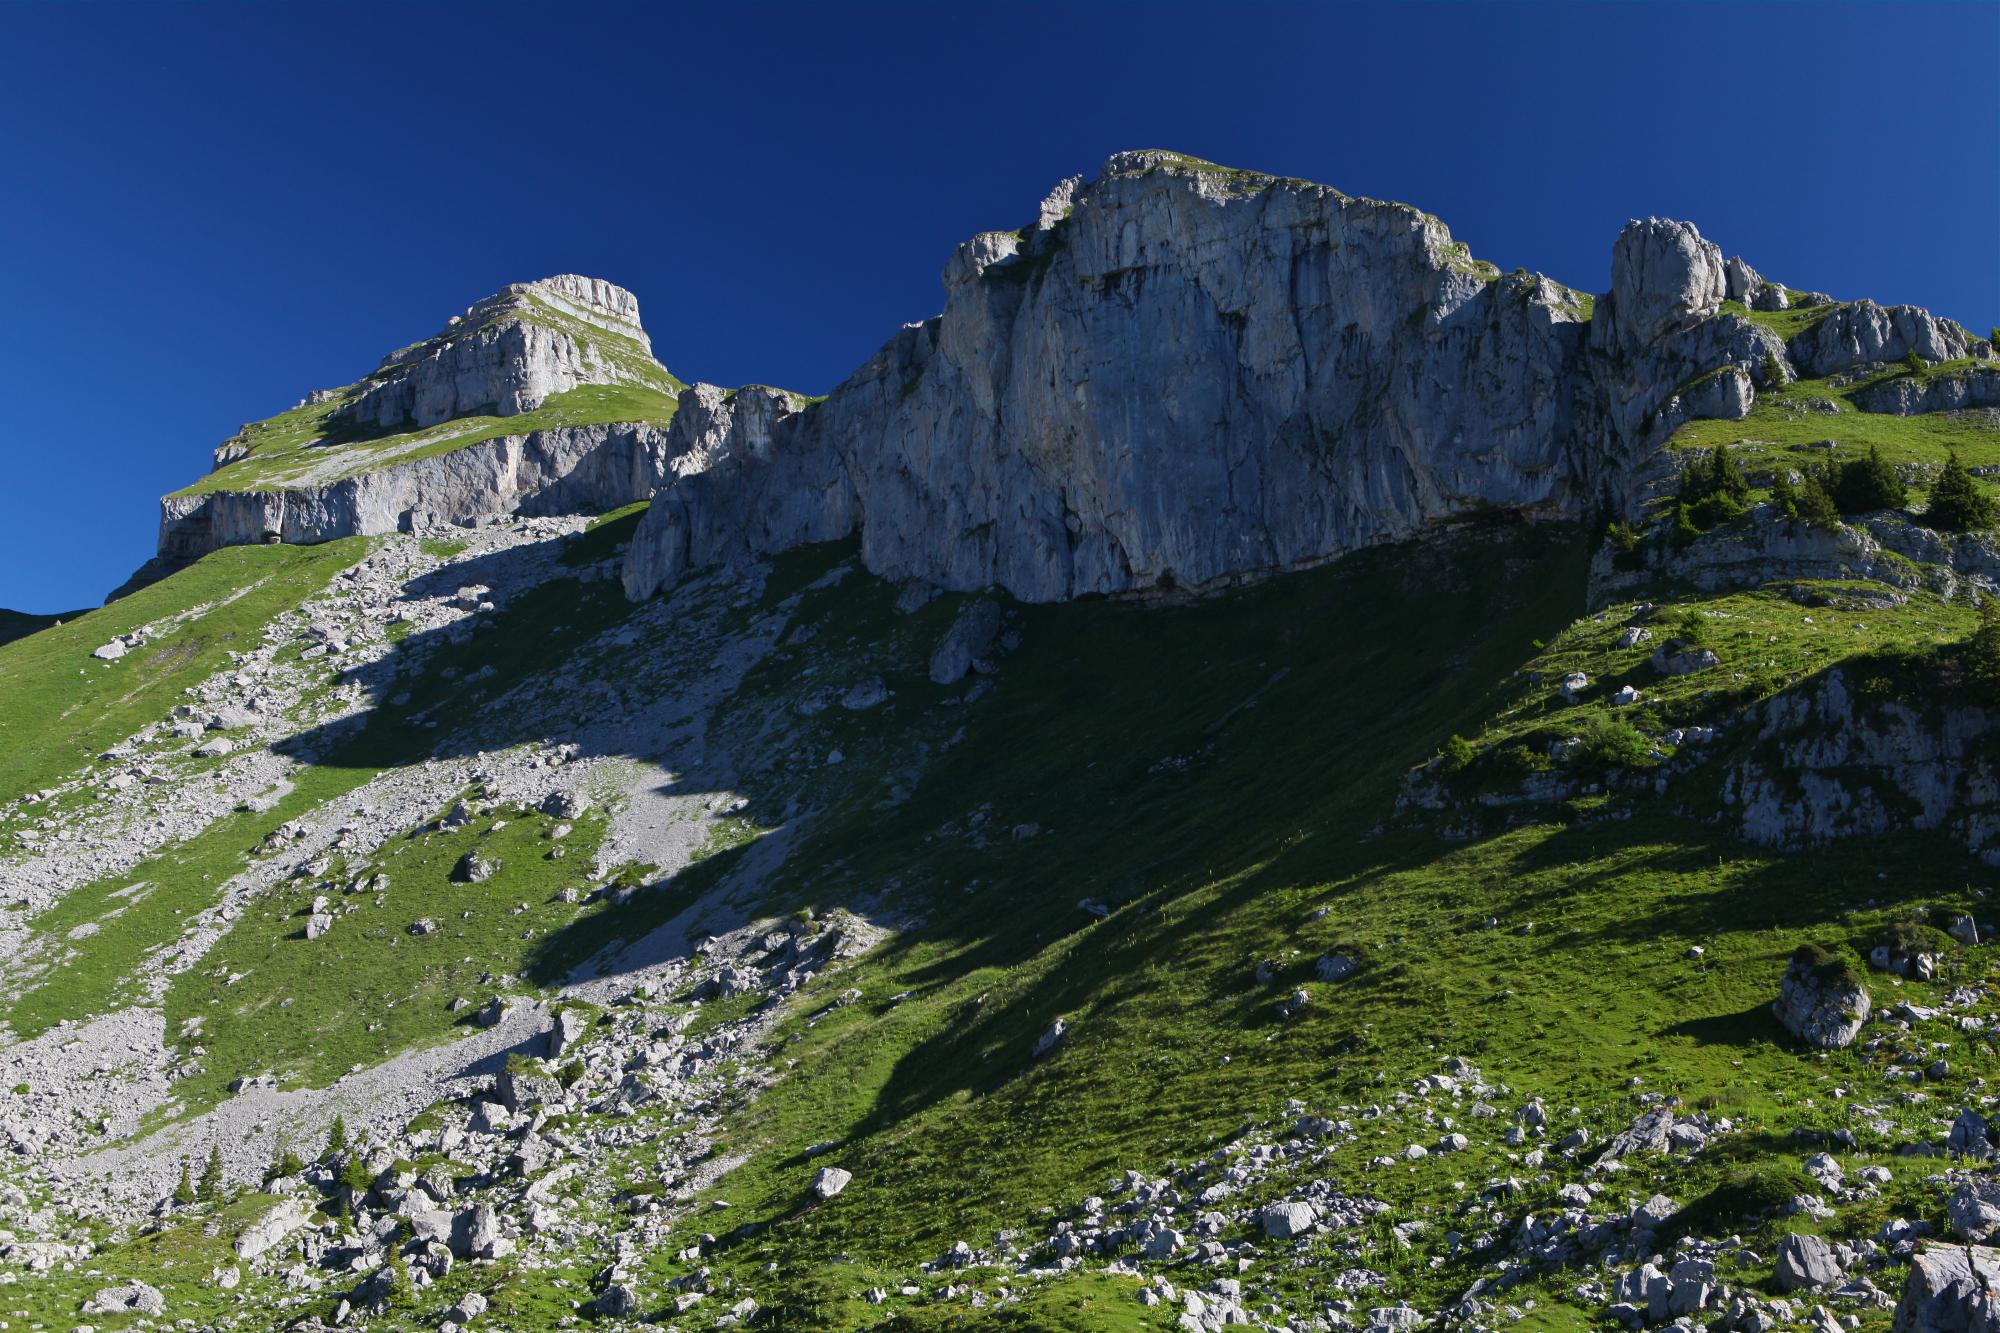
510	353
1664	278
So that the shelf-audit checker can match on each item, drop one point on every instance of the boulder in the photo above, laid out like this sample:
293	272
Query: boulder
1283	1221
1806	1261
1951	1289
271	1228
1678	657
472	868
1821	1001
1049	1040
1974	1208
135	1298
523	1085
830	1181
970	639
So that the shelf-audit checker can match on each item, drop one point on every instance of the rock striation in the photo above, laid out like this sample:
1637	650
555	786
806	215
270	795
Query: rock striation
1183	376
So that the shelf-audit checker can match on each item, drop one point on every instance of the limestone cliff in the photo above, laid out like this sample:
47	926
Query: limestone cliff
1183	375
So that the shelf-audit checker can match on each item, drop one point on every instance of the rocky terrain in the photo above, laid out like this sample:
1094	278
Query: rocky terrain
1252	772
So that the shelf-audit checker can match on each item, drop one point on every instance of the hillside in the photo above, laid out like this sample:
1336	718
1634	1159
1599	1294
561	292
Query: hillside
1253	771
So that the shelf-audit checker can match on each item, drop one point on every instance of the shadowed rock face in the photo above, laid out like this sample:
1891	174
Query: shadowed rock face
1182	376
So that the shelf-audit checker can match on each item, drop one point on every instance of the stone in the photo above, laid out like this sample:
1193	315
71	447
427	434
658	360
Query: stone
522	1085
468	1308
1285	1220
566	805
1821	1001
615	1301
493	1012
271	1228
569	1028
1573	686
970	638
1971	1135
109	652
472	868
1050	1039
1806	1261
829	1181
1336	967
318	924
134	1298
1951	1289
1974	1208
1677	657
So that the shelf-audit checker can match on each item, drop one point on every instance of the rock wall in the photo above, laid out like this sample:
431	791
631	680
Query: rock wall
1183	376
1865	333
1908	395
1828	765
568	470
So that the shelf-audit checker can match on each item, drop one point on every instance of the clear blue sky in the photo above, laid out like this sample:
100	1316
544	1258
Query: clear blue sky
211	209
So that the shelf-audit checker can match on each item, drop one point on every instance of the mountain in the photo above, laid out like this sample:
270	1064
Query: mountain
1252	771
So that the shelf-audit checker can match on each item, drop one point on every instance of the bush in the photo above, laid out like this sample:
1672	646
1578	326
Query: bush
1914	363
1624	539
1457	753
1712	491
1774	371
1864	485
1691	628
1957	504
1608	742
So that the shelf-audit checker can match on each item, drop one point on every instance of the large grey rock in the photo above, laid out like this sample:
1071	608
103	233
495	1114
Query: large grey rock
134	1298
1974	1208
1951	1289
1909	395
271	1228
1282	1221
1821	1001
830	1180
1804	1260
970	638
1664	278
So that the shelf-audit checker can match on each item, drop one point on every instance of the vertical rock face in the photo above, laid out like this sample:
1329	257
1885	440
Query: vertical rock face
510	353
1864	332
1182	375
1664	279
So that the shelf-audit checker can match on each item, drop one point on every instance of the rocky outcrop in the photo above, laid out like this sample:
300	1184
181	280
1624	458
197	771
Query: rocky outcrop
509	354
1821	1001
567	470
1827	765
1866	334
1183	376
1951	1289
1665	279
1909	395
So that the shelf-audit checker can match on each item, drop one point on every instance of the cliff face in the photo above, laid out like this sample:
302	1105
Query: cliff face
510	353
577	469
1183	375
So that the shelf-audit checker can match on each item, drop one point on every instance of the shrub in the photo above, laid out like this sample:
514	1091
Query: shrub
1457	753
1957	504
1691	628
1814	504
1712	491
1774	371
1611	743
336	1138
1913	362
1981	655
1624	539
1864	485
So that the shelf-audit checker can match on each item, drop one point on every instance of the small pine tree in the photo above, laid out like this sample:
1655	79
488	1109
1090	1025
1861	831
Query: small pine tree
1865	485
336	1138
1815	500
1774	371
184	1191
209	1188
1957	504
284	1162
1784	496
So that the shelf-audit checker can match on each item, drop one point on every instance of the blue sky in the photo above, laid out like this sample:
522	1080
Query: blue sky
210	209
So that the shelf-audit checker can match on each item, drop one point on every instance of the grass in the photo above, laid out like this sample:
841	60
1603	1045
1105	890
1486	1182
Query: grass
1810	421
310	1010
305	446
60	708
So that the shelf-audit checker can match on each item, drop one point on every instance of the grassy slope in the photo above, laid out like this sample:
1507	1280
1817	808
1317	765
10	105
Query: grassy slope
1298	706
60	708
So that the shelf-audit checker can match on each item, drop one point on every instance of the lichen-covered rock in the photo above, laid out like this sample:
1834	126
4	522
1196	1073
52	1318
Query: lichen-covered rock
1909	395
1951	1289
1821	1001
1974	1208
